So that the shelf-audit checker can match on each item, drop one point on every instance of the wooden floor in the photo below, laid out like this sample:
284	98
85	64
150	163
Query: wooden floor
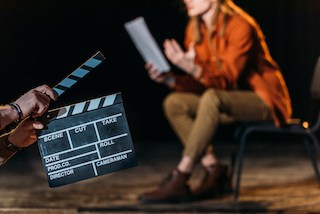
277	178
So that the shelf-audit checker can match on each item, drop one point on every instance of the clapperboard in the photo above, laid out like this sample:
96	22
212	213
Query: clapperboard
86	139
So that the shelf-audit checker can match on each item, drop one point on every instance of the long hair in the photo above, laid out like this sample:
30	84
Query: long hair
228	8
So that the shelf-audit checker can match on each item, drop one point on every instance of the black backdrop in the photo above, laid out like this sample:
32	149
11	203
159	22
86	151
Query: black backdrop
43	41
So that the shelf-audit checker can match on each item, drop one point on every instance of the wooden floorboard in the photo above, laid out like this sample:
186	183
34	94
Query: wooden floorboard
276	179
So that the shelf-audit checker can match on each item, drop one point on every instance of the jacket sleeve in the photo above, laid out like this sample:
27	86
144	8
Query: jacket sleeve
186	83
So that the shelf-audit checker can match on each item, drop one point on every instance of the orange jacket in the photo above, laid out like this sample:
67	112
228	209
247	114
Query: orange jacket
238	58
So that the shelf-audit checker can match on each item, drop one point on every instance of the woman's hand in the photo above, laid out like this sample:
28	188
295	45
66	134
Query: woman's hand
181	59
160	77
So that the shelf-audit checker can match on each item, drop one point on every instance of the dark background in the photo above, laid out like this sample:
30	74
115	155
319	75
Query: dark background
43	41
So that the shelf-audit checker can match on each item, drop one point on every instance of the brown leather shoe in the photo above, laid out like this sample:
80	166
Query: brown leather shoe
173	189
215	182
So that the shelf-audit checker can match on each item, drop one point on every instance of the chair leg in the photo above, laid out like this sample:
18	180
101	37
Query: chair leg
313	156
239	163
232	164
234	154
315	142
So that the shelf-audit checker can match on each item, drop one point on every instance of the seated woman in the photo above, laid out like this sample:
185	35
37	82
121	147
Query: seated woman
229	75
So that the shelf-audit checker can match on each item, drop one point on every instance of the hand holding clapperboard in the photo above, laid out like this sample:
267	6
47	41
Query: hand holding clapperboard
86	139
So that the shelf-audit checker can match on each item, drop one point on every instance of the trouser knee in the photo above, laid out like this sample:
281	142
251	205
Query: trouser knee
210	100
172	104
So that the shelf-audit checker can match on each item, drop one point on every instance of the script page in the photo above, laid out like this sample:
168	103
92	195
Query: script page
146	44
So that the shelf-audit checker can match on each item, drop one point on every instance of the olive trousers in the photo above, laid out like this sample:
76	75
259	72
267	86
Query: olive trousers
196	118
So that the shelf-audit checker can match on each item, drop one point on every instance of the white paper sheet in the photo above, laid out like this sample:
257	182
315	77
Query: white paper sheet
145	43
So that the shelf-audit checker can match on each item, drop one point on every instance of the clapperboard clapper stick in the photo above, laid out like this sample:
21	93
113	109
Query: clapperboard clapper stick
79	73
86	139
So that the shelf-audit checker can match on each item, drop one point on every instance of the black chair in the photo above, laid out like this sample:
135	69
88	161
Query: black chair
296	129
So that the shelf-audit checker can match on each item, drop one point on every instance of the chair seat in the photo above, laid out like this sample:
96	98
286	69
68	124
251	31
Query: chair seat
289	128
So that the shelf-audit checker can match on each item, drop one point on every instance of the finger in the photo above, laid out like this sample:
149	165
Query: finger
43	98
155	75
45	89
191	49
33	137
147	66
169	48
170	54
166	41
42	104
176	46
48	91
31	125
173	51
154	67
40	110
151	65
26	125
37	125
191	46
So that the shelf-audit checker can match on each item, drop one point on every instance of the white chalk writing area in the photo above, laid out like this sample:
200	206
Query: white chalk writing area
86	144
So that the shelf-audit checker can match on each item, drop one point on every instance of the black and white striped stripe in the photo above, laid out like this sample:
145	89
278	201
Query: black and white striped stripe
87	106
79	73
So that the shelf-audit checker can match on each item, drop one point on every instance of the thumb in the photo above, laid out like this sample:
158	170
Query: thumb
191	52
191	46
37	125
